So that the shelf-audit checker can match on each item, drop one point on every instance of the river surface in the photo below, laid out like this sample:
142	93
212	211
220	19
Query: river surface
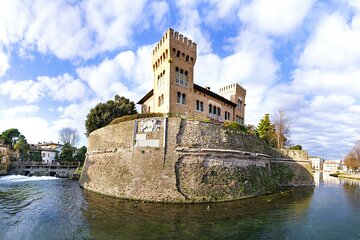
50	208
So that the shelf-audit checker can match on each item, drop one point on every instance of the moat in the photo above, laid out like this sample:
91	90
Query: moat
51	208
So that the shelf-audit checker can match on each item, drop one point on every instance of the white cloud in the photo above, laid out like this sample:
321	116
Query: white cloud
4	63
334	45
276	16
128	74
82	29
18	111
63	87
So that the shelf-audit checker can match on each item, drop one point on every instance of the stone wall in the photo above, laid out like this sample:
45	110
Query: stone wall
190	161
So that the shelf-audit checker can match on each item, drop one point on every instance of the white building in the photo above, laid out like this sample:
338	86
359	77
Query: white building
331	166
48	155
316	163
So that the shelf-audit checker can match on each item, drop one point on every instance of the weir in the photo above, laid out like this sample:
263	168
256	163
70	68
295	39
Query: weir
64	170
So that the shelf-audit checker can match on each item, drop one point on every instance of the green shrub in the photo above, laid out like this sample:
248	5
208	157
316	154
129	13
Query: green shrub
135	116
234	126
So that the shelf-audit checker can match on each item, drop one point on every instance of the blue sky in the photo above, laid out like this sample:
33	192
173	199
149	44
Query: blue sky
59	58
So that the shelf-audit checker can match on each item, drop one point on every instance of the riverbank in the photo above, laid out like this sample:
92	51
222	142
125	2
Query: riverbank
350	176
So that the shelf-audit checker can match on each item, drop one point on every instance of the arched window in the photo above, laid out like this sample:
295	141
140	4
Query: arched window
178	54
177	75
174	51
214	110
187	58
164	56
166	53
149	109
197	105
226	115
183	55
178	99
201	106
162	99
183	99
218	112
161	59
192	60
210	108
159	101
240	103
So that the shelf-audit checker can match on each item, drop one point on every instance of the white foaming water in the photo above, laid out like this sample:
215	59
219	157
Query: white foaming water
21	178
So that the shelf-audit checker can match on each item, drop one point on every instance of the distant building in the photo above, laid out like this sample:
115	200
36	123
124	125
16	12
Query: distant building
49	145
47	150
331	166
48	155
317	163
174	90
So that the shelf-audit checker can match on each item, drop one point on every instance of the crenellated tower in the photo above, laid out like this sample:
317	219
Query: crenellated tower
173	61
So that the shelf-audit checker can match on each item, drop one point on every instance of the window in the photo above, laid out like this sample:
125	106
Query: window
218	112
228	118
197	105
178	54
210	108
201	106
162	99
240	103
183	99
149	109
178	99
187	58
226	115
177	75
181	77
159	101
214	110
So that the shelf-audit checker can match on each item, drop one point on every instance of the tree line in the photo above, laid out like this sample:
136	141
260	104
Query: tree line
69	137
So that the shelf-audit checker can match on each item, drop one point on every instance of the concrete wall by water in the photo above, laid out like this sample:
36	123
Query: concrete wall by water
174	160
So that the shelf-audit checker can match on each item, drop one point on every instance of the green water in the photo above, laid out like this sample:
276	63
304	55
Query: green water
48	208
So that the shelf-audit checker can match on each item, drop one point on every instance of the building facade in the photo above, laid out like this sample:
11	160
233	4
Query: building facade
316	163
48	155
174	90
331	166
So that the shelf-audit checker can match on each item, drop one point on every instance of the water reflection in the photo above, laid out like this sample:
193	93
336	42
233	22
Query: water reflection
59	209
252	218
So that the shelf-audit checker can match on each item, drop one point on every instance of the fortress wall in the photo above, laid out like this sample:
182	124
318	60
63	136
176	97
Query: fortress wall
200	162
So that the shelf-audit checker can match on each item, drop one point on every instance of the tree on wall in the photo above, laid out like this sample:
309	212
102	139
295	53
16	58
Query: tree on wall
103	113
282	128
265	130
10	136
69	136
22	147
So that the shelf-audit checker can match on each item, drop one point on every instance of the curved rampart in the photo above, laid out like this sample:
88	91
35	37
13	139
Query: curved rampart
175	160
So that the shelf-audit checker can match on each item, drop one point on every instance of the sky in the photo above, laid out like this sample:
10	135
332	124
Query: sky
59	58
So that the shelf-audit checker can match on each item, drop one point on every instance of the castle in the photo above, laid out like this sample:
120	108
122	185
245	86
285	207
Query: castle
174	90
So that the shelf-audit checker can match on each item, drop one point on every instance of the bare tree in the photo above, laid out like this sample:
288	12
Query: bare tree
69	136
282	128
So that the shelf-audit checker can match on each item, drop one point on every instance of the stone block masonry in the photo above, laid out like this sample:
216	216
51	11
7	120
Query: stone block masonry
185	161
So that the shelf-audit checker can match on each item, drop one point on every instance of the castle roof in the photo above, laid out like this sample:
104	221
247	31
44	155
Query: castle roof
214	95
146	97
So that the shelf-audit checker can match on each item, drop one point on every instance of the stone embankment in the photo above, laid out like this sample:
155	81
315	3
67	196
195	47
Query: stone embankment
177	160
